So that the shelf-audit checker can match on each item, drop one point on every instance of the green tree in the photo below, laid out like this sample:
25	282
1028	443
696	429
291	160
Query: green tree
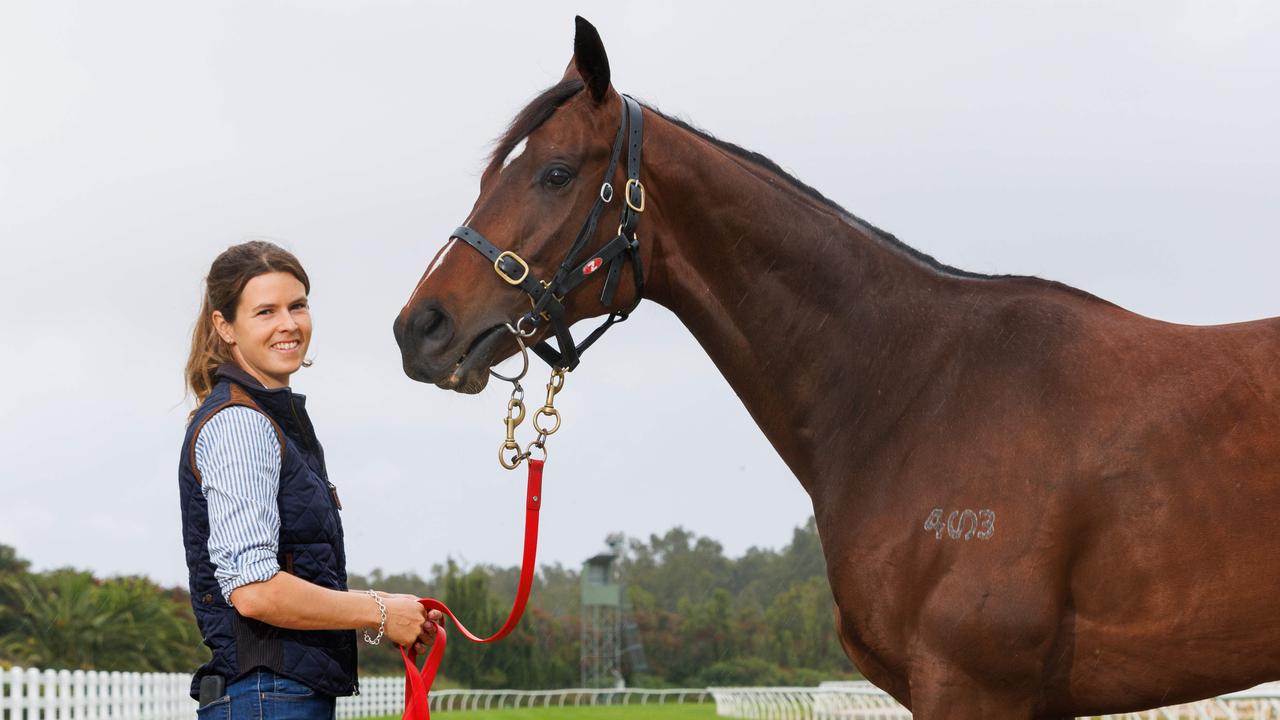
467	595
67	619
763	618
10	563
12	567
801	623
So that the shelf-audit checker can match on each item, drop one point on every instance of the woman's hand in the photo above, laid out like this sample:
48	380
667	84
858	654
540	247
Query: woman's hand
427	634
406	619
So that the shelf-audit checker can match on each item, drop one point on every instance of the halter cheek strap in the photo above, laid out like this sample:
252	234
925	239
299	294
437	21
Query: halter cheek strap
548	297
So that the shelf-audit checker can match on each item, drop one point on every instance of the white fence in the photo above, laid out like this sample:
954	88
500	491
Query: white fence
385	696
80	695
863	701
492	699
27	694
842	701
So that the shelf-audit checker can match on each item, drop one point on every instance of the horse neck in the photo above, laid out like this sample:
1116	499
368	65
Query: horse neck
819	326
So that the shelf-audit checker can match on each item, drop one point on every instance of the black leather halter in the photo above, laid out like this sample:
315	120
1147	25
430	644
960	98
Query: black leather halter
548	296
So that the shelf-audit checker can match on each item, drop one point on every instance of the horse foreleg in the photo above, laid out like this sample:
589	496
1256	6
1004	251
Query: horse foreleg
869	665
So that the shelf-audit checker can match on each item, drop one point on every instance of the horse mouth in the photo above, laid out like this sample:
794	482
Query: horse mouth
471	373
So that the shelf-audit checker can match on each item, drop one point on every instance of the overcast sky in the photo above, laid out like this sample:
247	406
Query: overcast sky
1131	149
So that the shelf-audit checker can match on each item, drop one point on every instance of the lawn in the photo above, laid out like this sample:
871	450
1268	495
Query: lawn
669	711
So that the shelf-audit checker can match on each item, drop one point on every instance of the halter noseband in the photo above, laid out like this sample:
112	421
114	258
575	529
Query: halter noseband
548	297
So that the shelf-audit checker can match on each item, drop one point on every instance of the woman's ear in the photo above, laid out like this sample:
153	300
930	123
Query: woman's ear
223	328
590	59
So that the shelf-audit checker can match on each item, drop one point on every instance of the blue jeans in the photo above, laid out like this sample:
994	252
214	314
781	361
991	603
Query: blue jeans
264	695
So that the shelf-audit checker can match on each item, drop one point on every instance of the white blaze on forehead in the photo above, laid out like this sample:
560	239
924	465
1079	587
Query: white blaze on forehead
434	264
440	257
516	152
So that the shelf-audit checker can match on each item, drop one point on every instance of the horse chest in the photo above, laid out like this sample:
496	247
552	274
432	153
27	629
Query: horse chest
939	576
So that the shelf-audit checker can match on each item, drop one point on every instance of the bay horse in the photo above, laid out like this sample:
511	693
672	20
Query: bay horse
1032	502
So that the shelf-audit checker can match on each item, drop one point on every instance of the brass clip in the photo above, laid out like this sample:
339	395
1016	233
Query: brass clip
554	385
515	416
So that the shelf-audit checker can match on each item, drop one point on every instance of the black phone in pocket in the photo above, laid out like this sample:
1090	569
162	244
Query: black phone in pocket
212	688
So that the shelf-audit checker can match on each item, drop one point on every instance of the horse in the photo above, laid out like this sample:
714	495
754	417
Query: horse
1032	503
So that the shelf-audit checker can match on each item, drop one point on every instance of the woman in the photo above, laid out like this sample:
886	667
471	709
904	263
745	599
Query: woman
261	520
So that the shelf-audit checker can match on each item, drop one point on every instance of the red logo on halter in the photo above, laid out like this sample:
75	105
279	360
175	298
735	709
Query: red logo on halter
592	266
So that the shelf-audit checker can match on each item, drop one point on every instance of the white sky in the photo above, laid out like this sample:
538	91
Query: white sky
1130	149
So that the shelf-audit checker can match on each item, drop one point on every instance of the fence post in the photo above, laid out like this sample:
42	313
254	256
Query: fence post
8	708
31	694
6	712
64	695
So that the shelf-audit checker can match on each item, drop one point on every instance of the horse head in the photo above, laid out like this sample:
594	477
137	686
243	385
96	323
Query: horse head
557	164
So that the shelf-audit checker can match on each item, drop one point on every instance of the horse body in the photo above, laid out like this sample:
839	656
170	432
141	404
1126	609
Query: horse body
1032	503
1131	465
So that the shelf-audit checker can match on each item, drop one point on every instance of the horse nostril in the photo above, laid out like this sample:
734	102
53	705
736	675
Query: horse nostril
428	330
432	323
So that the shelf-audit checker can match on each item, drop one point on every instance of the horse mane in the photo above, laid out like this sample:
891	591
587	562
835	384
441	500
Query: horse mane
773	167
542	107
538	111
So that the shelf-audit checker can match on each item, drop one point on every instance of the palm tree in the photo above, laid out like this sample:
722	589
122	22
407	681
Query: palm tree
67	619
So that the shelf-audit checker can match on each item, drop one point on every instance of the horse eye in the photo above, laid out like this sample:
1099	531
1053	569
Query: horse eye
557	177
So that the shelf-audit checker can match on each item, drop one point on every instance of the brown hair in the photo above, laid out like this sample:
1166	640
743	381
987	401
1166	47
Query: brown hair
228	275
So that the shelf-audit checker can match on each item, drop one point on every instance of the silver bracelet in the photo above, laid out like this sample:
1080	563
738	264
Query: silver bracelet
382	623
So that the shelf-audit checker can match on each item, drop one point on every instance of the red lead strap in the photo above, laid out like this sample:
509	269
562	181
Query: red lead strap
418	683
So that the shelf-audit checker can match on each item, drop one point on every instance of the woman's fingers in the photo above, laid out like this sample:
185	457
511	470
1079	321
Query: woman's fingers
405	620
434	619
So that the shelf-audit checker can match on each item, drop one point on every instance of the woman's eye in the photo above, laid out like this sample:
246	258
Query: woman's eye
265	311
298	306
557	177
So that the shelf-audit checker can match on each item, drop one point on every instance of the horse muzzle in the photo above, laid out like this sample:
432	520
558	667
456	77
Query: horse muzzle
432	351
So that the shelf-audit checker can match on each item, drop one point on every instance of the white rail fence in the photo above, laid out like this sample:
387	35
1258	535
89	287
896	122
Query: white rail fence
385	696
855	701
863	701
27	694
493	699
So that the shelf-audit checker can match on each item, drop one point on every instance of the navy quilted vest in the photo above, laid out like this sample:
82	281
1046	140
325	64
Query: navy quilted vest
311	548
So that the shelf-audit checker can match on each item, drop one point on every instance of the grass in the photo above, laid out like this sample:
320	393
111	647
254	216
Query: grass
669	711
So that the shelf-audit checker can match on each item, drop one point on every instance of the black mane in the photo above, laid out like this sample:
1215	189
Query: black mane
764	162
542	107
538	111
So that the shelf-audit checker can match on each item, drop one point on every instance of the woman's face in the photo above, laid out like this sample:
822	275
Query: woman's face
272	330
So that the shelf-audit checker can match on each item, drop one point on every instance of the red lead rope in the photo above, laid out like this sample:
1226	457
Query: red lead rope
418	683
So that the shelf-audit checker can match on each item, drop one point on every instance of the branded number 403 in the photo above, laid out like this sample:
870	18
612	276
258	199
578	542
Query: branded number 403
962	524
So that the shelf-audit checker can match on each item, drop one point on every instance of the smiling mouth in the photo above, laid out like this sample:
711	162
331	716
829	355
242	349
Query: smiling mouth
471	373
287	346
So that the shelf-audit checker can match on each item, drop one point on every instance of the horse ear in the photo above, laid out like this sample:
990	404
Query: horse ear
589	59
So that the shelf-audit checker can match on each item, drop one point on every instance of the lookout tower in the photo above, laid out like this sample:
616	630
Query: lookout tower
601	621
608	630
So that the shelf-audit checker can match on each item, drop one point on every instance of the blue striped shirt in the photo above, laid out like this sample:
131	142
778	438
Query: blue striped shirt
238	457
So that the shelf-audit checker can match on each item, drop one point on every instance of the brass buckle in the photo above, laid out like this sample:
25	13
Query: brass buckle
626	194
497	267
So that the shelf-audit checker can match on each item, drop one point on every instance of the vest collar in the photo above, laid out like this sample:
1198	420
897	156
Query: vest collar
237	374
